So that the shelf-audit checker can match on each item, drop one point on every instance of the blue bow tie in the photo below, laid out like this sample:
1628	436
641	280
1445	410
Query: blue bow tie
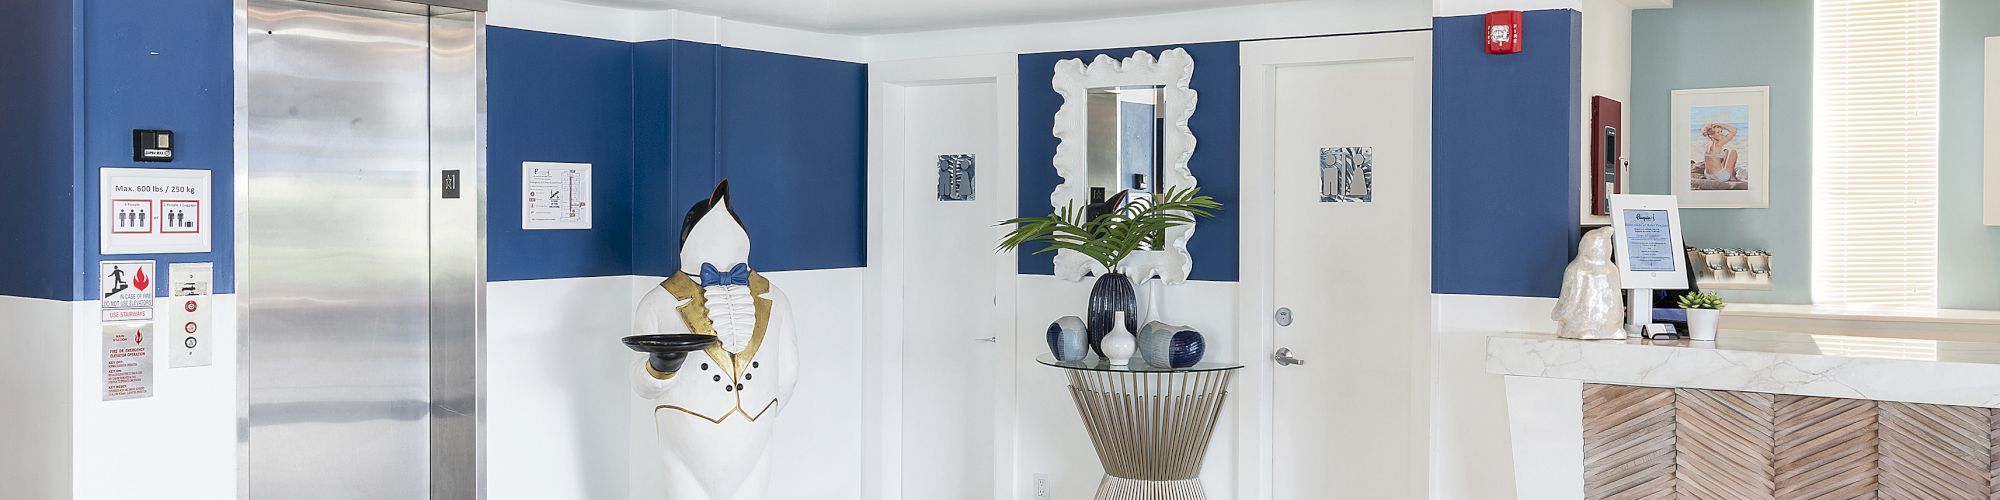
739	275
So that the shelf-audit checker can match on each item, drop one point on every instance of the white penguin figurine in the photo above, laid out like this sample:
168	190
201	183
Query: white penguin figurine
1590	307
715	414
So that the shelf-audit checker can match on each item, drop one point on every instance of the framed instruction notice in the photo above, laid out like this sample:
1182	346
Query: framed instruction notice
1648	250
153	210
555	195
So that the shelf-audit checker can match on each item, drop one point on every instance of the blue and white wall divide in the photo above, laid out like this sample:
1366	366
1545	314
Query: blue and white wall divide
664	105
648	115
1508	150
73	101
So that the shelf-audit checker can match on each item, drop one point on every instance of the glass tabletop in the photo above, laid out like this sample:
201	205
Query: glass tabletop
1093	363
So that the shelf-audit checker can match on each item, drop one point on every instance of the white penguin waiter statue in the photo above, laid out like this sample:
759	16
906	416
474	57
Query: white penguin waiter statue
714	409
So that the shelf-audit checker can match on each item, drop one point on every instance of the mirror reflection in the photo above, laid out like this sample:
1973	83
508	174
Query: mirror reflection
1124	137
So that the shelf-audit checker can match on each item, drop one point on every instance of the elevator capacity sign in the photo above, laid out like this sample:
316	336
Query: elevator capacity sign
187	314
128	361
153	210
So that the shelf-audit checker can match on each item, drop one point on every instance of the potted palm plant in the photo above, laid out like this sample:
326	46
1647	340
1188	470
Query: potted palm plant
1704	310
1107	234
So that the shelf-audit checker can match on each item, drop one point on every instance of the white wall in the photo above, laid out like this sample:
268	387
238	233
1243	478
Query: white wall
178	444
555	387
1289	19
35	415
562	421
1471	455
1607	71
1454	8
579	19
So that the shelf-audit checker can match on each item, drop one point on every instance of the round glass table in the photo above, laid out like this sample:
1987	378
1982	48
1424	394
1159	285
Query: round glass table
1151	426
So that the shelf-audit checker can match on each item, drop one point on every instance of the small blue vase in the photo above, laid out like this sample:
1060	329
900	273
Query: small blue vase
1068	340
1171	346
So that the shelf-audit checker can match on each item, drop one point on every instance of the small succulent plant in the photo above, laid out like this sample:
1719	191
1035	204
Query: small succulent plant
1702	300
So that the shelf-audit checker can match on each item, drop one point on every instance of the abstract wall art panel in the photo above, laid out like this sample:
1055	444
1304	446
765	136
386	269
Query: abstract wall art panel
1346	175
955	178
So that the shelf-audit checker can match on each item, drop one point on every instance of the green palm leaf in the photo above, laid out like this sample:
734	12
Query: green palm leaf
1141	224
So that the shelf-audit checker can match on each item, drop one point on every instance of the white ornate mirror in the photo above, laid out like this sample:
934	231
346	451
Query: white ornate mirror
1123	126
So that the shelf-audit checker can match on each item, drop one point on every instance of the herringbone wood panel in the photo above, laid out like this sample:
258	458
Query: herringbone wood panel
1825	448
1628	442
1993	478
1723	444
1935	452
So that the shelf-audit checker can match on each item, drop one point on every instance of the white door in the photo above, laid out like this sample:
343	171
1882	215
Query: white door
947	158
1342	126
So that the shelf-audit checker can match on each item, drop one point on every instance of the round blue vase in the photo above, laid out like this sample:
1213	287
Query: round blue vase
1068	340
1170	346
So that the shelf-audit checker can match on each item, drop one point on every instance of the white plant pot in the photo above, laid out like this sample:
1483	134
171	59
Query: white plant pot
1701	324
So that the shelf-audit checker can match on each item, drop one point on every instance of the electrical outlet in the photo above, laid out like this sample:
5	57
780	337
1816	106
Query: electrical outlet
1041	486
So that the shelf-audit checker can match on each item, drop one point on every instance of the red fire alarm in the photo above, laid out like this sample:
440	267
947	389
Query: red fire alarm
1503	32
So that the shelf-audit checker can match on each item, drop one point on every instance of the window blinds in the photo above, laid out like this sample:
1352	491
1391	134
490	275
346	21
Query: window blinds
1875	153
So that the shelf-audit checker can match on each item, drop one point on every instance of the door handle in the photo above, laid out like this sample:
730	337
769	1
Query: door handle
1284	357
995	340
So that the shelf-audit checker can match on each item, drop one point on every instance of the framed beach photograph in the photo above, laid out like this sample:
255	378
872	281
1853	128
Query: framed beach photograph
1721	147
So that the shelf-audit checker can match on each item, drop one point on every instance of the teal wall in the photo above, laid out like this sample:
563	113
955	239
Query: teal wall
1733	43
1729	43
1969	260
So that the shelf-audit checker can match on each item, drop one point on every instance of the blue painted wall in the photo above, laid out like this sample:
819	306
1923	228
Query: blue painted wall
653	173
568	99
794	142
789	132
652	118
662	121
1505	156
38	132
163	64
1216	125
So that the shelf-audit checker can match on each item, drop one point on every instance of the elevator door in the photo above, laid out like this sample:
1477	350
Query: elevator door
337	265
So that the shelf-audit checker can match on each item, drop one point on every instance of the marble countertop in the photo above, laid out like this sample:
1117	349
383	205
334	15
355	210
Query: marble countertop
1887	369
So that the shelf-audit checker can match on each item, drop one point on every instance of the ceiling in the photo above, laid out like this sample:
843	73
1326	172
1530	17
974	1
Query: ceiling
892	16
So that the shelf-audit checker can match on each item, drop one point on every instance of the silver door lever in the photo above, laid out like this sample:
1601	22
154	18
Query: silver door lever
989	339
1284	357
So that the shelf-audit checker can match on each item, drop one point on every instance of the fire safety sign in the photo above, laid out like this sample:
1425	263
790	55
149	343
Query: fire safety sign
125	289
153	210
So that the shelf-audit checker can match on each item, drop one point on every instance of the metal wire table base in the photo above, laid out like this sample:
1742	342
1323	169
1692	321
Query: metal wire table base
1151	429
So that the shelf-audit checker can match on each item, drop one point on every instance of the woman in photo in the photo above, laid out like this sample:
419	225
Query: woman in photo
1718	161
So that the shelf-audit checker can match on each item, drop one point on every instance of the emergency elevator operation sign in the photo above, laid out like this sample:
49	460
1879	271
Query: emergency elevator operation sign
128	361
153	210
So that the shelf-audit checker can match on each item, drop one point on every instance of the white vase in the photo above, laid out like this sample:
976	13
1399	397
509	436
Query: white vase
1701	324
1118	344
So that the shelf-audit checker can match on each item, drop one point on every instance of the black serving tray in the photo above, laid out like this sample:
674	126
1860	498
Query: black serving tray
669	342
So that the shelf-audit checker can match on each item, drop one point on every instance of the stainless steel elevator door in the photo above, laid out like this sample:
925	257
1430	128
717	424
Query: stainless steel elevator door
337	265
